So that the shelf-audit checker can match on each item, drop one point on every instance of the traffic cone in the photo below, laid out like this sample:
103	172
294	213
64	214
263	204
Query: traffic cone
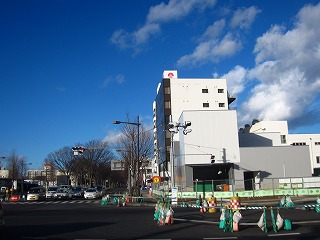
235	226
169	217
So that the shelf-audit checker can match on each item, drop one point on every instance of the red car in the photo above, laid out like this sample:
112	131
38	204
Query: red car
15	198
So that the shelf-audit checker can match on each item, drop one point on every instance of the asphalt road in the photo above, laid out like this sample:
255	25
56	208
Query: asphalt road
90	220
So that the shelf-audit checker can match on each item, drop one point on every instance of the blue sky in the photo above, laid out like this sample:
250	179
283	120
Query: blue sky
68	68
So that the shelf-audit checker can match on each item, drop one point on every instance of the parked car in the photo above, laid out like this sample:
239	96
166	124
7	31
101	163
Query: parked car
91	193
101	190
63	193
65	186
15	198
51	191
77	192
36	194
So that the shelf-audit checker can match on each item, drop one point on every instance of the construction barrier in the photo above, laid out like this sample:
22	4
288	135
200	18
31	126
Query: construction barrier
163	213
212	202
204	207
315	207
231	216
286	202
235	202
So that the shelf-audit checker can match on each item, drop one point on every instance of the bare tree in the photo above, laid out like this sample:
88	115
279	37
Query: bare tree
16	165
89	167
62	160
134	147
96	159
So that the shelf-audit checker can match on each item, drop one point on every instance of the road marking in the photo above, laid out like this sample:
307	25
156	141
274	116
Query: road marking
222	238
52	202
282	234
197	221
153	239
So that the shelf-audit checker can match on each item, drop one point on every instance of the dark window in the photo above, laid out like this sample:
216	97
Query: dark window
318	159
221	104
299	144
205	104
205	90
220	90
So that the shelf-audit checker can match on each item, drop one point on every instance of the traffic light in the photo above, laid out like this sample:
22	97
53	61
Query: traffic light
78	150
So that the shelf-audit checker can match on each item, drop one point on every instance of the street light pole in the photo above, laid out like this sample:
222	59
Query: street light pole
22	176
138	148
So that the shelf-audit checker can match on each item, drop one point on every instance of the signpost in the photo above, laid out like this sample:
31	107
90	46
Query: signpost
174	196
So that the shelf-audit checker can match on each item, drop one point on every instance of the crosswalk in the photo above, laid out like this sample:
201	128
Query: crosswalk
55	202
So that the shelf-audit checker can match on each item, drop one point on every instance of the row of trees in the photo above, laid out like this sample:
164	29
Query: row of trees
90	168
93	166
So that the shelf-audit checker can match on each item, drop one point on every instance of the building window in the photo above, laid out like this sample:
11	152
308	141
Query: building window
299	144
317	143
283	139
205	104
318	159
167	105
220	90
205	90
167	90
221	104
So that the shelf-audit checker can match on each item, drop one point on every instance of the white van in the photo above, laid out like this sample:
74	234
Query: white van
36	194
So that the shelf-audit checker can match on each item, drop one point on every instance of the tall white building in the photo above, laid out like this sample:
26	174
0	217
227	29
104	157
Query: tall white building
203	102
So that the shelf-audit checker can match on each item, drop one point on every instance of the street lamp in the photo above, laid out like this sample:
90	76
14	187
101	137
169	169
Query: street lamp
22	176
138	145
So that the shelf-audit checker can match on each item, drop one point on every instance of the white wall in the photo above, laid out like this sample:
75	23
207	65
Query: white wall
311	140
186	94
212	132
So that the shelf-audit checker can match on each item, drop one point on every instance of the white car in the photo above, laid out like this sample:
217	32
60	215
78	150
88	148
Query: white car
51	191
36	194
63	193
91	193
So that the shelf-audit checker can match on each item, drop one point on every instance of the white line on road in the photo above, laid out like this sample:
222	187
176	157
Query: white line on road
220	238
282	234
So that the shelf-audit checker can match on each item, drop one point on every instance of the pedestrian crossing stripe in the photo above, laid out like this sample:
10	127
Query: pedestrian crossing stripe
54	202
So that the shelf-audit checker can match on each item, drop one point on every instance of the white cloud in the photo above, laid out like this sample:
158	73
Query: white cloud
113	137
287	71
243	18
143	34
236	79
119	79
176	9
158	14
221	40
